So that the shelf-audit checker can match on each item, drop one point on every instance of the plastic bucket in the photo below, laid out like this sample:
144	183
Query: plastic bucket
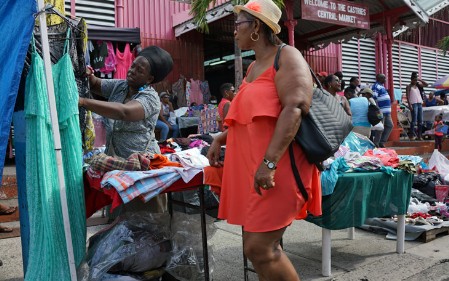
441	192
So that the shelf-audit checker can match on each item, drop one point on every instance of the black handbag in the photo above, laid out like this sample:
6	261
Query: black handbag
322	130
374	114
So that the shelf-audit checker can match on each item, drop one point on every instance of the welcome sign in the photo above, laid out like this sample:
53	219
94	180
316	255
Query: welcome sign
336	12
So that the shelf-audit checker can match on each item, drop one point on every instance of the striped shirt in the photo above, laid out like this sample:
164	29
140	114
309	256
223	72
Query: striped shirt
382	98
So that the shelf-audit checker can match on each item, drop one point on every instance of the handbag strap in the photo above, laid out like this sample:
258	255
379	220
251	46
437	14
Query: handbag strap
276	66
301	187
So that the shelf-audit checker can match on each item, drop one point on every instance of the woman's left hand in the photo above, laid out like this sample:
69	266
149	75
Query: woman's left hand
264	178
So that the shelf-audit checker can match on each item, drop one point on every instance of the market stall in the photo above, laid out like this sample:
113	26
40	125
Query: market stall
358	196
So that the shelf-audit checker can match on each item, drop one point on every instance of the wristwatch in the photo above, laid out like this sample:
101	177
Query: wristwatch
270	165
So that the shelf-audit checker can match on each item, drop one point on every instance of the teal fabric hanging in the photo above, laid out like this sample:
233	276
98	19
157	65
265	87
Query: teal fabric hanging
48	253
66	93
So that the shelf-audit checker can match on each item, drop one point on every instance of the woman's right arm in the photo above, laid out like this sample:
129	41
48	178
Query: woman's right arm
215	148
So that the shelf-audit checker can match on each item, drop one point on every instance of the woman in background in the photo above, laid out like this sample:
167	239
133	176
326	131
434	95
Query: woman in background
163	123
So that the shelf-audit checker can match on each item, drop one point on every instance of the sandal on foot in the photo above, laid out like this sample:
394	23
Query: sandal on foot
9	211
5	229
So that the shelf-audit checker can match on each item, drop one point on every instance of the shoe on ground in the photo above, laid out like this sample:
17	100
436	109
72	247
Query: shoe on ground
412	138
381	145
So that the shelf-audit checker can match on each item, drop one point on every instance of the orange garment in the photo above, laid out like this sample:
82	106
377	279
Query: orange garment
213	176
159	161
252	119
221	106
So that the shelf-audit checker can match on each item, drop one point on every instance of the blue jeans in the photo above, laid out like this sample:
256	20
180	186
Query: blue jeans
165	130
381	137
416	116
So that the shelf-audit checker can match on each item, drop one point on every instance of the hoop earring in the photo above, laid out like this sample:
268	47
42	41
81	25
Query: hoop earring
256	39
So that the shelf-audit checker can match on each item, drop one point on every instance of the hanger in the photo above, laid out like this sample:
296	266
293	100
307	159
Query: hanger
50	9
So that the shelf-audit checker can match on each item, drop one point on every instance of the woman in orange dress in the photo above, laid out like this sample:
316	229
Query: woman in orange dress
259	190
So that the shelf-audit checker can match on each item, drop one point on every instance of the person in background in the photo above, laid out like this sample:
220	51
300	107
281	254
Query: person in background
443	98
415	102
359	110
339	74
354	83
437	125
383	101
227	92
432	100
332	84
163	122
259	191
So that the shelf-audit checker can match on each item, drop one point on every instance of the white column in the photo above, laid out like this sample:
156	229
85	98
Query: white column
326	252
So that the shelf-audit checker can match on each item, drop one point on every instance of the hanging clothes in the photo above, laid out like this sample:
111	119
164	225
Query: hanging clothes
78	47
47	238
188	102
205	91
195	92
110	61
98	55
124	61
55	19
178	89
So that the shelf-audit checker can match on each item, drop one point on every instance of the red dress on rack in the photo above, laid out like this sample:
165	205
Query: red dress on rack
252	119
124	61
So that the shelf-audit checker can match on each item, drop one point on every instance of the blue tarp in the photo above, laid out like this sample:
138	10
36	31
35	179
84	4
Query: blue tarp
16	26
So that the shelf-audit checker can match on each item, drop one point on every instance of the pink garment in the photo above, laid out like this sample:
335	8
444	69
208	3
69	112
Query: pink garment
389	157
196	95
109	61
415	95
124	61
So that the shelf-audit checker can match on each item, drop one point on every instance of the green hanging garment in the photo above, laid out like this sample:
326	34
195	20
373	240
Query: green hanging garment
48	251
66	94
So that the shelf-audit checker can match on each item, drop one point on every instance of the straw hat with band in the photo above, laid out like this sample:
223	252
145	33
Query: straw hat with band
265	10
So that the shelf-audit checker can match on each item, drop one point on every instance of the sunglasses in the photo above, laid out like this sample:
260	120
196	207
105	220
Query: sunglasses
238	23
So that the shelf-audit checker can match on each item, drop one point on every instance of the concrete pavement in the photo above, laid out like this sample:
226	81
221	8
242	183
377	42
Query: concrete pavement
368	257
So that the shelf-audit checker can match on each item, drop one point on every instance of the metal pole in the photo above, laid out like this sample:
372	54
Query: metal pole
56	138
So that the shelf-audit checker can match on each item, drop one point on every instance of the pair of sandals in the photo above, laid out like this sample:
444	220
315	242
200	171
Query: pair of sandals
7	212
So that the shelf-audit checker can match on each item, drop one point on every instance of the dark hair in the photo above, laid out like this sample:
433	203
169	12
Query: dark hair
266	30
414	75
353	79
328	79
349	91
380	75
339	74
225	87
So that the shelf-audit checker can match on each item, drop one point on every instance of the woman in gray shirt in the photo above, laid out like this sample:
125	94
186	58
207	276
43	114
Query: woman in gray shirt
133	105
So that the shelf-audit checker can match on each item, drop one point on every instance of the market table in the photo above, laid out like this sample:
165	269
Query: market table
358	196
197	182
